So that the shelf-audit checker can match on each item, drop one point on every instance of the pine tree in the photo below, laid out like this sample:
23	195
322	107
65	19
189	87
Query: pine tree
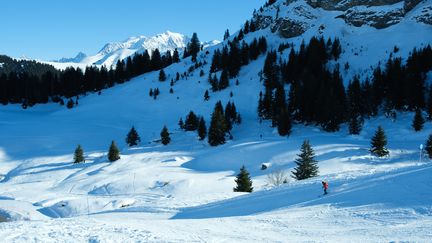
378	143
202	129
113	153
206	95
226	35
79	155
428	147
284	123
355	125
191	122
165	138
307	166
176	56
162	75
418	121
194	47
70	104
224	80
429	104
218	126
243	180
181	123
132	138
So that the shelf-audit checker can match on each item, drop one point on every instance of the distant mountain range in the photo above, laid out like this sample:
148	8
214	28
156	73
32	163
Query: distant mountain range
114	51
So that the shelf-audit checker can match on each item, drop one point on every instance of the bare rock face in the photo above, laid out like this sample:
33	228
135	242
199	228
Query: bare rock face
410	4
263	22
288	28
343	5
374	18
425	15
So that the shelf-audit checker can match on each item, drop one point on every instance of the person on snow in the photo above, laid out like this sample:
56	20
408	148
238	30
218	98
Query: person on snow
325	187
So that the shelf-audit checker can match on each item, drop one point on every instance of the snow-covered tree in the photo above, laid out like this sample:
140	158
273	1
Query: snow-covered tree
307	166
243	180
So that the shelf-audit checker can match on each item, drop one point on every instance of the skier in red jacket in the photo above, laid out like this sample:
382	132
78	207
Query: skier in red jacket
325	187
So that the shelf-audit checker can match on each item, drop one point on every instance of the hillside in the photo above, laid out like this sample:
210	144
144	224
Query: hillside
183	191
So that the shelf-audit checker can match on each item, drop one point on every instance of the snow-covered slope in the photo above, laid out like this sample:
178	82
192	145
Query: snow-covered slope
183	191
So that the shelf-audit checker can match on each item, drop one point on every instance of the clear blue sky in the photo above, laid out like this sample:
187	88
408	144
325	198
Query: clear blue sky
51	29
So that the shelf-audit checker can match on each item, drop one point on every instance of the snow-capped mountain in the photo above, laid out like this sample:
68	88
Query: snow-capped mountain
114	51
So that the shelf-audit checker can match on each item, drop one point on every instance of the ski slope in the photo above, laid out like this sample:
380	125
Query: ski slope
183	192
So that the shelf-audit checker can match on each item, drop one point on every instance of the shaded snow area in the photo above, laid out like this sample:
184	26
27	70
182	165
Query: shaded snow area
183	192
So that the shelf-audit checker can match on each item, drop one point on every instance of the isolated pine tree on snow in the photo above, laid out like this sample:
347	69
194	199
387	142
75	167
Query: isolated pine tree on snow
307	166
202	129
162	75
418	121
132	138
206	95
428	147
378	143
165	138
78	155
113	153
243	180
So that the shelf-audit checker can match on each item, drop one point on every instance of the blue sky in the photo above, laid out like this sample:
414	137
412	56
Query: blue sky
51	29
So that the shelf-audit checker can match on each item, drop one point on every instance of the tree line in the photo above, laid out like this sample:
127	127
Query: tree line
35	83
317	94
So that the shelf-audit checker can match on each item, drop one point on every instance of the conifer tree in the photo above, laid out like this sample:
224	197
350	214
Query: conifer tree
165	138
243	181
307	166
428	147
132	138
194	47
70	104
226	35
113	153
378	143
162	75
79	155
191	122
176	56
206	95
284	123
202	129
181	123
418	121
218	126
355	125
224	80
429	104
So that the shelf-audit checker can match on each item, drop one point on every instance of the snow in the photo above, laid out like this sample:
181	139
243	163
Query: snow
183	191
114	51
